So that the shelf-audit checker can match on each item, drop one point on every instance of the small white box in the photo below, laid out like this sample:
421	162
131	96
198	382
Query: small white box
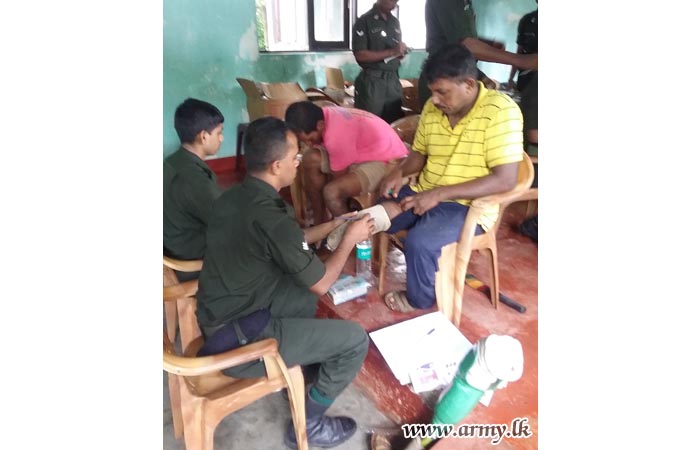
347	288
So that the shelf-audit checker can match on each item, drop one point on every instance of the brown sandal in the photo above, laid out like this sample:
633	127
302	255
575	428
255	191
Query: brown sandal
380	442
397	302
394	441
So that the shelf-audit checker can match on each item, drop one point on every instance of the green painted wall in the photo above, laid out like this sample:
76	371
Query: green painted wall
207	44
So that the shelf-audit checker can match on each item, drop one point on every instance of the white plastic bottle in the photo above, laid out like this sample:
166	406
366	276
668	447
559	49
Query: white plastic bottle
363	261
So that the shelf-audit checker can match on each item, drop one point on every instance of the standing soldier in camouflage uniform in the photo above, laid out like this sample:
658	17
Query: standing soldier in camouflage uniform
378	49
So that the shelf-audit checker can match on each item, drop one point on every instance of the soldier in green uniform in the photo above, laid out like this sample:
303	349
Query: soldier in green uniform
378	49
189	185
527	44
454	21
261	279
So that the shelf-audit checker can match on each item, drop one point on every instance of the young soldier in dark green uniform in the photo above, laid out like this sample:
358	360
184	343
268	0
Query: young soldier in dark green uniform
454	21
528	105
377	37
189	185
261	279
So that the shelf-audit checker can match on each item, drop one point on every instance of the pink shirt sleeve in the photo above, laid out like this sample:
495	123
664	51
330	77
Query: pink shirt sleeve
354	136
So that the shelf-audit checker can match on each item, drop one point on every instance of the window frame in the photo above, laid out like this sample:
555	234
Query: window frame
350	16
316	45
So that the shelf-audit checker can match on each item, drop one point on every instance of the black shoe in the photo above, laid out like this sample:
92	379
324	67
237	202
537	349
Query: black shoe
321	431
327	432
529	228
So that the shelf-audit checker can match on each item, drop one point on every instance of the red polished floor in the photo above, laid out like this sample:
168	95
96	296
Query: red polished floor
518	277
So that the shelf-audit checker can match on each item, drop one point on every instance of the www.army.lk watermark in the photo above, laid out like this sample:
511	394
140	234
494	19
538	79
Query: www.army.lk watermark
518	428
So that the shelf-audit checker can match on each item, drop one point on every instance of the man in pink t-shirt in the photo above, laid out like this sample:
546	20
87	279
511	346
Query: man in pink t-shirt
351	151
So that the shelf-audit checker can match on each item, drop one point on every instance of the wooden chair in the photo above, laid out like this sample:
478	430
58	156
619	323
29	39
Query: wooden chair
317	95
409	102
169	278
531	195
187	333
341	97
454	259
404	127
340	90
205	394
298	194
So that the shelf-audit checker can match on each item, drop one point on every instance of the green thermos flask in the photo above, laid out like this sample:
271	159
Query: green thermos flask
459	398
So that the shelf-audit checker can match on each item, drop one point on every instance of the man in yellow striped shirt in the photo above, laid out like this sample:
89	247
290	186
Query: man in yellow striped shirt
468	144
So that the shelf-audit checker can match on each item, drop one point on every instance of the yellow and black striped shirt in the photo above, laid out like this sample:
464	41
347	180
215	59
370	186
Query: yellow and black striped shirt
491	134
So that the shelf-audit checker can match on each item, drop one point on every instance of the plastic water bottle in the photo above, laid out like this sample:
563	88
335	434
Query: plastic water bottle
363	261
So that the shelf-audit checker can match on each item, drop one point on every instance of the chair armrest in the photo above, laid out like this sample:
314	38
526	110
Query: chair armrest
203	365
183	266
530	194
181	290
504	198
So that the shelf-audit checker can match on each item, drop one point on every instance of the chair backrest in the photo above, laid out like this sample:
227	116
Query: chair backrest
410	95
405	127
325	102
334	78
526	173
317	95
339	96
